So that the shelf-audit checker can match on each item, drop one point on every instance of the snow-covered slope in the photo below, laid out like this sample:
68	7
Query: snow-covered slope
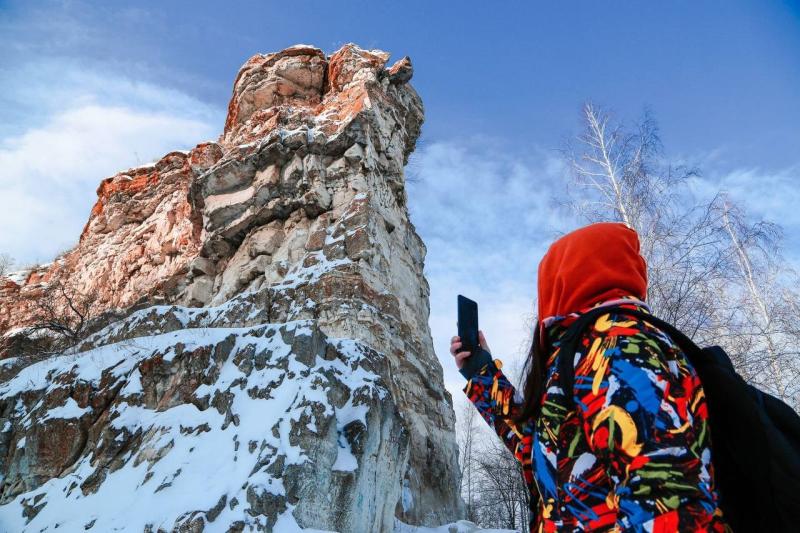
200	424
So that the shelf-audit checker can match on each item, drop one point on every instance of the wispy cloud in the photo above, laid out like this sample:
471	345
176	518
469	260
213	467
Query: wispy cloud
486	217
770	195
65	129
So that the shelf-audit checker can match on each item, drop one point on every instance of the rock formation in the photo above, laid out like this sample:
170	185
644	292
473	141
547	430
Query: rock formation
260	354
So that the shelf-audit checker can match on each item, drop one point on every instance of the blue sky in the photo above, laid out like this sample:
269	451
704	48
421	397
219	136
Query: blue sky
89	88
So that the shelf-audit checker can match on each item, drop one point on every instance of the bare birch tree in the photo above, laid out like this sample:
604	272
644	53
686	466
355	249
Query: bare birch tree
763	304
713	272
503	495
6	264
468	437
492	482
60	317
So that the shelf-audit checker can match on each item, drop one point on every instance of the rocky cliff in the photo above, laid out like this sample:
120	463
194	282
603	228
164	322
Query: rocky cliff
260	356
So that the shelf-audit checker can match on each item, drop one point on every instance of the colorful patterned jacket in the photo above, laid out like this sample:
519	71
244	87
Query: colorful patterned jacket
634	455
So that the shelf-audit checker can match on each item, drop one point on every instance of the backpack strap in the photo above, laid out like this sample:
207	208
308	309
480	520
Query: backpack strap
573	335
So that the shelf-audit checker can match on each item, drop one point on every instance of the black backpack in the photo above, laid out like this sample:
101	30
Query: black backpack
755	437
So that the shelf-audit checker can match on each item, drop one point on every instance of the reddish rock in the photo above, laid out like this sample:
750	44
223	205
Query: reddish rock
297	212
401	71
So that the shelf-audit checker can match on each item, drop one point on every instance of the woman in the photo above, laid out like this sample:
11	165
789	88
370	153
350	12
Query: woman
632	453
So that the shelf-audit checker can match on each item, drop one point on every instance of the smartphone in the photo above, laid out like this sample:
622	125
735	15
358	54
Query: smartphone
468	323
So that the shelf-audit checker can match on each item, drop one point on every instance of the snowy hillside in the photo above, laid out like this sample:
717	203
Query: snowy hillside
196	422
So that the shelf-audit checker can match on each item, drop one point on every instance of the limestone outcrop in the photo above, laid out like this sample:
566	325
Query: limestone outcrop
259	355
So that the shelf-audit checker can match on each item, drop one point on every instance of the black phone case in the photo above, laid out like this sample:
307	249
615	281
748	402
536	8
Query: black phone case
468	323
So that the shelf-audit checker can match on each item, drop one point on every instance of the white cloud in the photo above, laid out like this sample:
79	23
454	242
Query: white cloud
72	128
772	196
486	217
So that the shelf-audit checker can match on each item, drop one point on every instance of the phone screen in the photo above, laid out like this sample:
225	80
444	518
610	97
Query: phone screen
468	323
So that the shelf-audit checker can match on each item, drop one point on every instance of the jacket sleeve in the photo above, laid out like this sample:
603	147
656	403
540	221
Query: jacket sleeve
643	413
496	400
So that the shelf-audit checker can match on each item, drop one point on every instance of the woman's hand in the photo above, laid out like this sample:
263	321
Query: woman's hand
455	345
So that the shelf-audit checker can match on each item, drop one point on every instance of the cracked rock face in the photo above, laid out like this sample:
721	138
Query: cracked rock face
269	362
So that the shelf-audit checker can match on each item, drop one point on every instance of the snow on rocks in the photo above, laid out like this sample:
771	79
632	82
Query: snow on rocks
212	426
462	526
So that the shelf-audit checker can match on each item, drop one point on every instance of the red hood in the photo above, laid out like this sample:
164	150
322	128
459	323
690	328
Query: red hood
592	264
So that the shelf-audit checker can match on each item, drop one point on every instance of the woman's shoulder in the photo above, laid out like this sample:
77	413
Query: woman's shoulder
633	330
631	333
